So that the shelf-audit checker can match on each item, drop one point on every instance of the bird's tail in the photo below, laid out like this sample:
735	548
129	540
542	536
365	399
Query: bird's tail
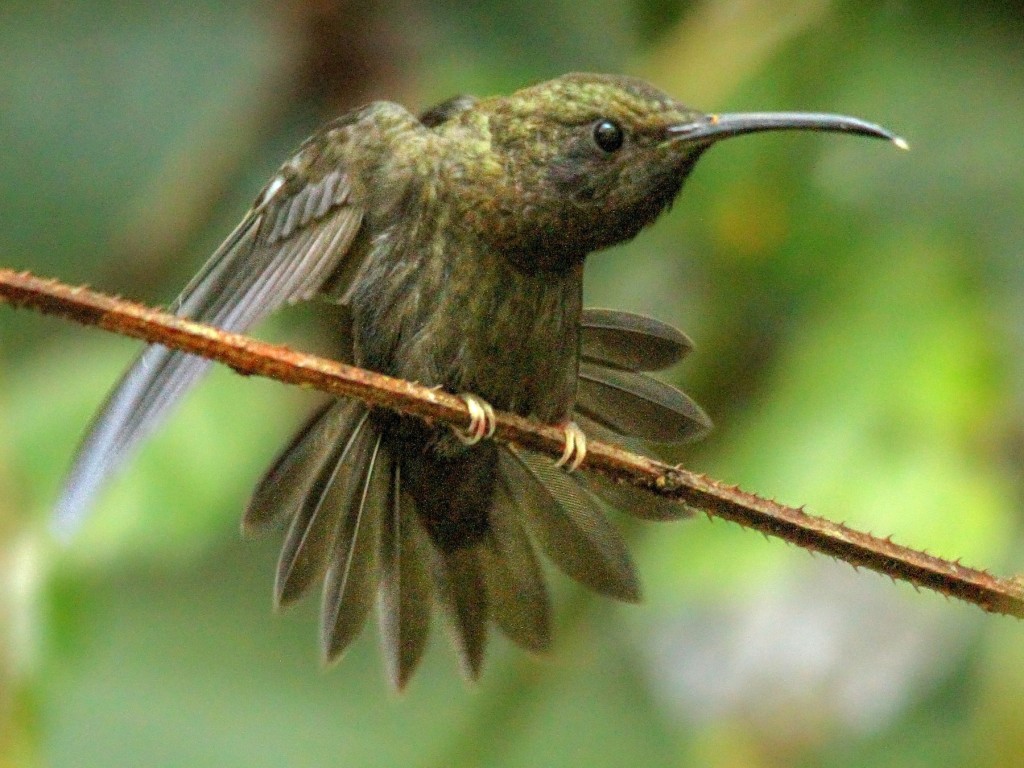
353	524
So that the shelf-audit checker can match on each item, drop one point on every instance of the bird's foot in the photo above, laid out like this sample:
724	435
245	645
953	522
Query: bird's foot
482	422
575	448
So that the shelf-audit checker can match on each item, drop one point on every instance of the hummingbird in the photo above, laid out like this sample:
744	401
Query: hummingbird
455	241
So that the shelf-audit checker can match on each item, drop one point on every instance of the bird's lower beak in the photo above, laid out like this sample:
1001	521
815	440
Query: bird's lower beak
711	128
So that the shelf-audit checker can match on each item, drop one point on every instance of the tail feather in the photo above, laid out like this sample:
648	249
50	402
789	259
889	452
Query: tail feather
598	431
634	501
352	578
459	580
405	599
285	484
567	523
516	591
615	348
630	342
309	543
634	404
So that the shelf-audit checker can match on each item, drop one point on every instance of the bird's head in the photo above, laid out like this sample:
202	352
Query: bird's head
585	161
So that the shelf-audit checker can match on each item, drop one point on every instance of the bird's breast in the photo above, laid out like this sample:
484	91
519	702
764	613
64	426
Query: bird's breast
446	310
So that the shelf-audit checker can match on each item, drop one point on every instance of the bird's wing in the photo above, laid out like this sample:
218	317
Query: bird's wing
301	232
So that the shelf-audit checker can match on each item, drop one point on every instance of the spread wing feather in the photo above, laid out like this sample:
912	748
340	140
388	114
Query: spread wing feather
288	245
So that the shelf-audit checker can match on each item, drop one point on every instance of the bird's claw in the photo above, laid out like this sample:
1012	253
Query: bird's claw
482	421
575	448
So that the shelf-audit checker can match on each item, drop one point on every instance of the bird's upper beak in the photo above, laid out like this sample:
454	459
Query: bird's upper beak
710	128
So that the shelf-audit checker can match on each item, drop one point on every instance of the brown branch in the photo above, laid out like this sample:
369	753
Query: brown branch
251	357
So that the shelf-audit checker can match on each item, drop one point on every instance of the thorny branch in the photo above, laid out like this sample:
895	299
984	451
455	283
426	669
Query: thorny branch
251	357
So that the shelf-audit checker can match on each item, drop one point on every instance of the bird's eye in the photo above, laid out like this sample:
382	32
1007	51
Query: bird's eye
608	135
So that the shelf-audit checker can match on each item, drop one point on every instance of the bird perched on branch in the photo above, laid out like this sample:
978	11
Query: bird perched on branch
457	241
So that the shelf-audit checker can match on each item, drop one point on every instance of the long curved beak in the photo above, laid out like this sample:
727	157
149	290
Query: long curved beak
714	127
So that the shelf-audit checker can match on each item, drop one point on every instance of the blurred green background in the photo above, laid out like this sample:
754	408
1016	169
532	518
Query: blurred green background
858	315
